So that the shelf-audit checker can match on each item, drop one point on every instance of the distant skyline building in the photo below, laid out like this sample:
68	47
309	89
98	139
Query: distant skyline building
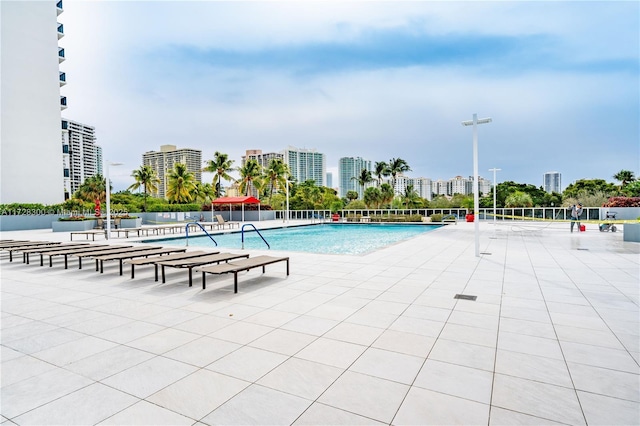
552	182
349	169
306	164
262	159
82	158
31	158
329	180
163	161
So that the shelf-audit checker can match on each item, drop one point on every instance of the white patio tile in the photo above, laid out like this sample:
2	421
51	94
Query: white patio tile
109	362
75	350
198	394
21	368
598	356
603	410
606	382
321	414
28	394
310	325
149	376
406	343
417	326
468	334
89	405
531	345
456	380
241	332
331	352
247	363
145	413
367	396
300	377
271	318
130	331
466	354
425	407
537	399
502	417
388	365
532	367
202	352
205	324
489	322
354	333
528	328
258	405
283	341
46	340
163	340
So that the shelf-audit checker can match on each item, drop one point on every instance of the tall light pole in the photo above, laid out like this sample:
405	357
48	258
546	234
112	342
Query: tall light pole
476	197
287	217
495	187
107	190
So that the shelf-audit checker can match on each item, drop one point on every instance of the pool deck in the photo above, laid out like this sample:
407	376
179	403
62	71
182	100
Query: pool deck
553	336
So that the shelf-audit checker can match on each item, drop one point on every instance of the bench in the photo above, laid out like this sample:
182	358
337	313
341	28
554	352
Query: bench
239	266
93	234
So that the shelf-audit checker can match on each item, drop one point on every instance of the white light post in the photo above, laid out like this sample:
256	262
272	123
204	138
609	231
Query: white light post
107	190
287	217
476	197
495	187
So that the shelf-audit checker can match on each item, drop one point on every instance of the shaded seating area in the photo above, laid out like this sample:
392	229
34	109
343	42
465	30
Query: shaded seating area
230	201
240	266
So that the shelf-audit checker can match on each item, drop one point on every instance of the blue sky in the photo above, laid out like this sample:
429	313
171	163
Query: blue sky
378	80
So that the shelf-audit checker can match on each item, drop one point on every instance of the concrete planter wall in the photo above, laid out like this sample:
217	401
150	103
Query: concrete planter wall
631	232
73	225
131	223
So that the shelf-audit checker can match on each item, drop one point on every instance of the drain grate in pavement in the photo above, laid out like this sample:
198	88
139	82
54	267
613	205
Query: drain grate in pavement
485	252
465	297
583	249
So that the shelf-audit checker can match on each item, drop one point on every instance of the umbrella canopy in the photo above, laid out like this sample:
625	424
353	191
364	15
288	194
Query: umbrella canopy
236	200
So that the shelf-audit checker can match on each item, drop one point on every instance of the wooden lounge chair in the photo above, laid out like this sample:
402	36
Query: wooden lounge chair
92	232
224	223
153	260
42	250
239	266
198	261
120	257
79	250
115	251
31	245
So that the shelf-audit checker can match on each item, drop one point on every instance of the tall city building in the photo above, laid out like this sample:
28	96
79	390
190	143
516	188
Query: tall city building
552	182
262	158
306	164
31	159
349	169
423	186
163	161
81	156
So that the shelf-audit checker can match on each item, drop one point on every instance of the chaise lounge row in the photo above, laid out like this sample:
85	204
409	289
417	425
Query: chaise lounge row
201	261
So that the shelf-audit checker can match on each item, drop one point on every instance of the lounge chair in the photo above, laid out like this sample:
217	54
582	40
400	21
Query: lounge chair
117	250
28	245
198	261
239	266
41	250
153	260
120	257
79	250
224	223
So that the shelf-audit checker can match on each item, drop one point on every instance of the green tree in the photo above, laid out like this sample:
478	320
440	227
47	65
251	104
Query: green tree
352	195
381	169
624	177
518	199
203	193
146	177
181	184
249	176
276	174
372	197
632	189
397	166
363	178
585	187
386	191
220	166
411	198
439	202
91	189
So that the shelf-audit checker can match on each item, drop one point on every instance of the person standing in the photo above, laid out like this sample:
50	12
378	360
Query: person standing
576	211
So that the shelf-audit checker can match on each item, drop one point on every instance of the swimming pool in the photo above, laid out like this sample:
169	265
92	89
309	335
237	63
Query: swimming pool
325	238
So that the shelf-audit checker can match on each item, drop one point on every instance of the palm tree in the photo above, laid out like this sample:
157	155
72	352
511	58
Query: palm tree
381	169
387	194
276	174
181	184
411	197
249	176
397	165
203	193
363	178
372	197
624	177
220	166
91	189
146	177
352	195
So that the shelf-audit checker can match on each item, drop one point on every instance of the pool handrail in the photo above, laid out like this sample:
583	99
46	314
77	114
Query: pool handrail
255	229
186	230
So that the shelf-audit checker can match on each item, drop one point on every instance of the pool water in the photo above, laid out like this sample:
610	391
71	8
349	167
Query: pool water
325	238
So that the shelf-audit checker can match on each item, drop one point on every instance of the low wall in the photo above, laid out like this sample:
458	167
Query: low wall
631	232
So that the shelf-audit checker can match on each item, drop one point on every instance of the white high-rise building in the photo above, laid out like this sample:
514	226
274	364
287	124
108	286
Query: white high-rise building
552	182
306	164
31	160
163	161
349	169
423	186
81	156
262	158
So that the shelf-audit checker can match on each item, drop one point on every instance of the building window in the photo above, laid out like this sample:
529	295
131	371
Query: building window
65	149
66	172
65	125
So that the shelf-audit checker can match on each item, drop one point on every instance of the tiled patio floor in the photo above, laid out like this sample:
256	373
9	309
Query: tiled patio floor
553	337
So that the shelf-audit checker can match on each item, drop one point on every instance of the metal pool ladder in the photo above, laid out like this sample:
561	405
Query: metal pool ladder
255	229
186	230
